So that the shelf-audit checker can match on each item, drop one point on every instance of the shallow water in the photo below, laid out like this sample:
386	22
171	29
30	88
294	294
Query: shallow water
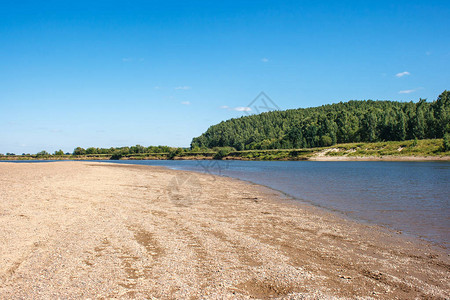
412	197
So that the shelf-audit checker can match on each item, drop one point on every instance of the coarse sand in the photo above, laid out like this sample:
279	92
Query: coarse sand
100	231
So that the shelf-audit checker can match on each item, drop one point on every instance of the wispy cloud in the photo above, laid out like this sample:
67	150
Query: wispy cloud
127	59
185	87
407	91
185	102
239	108
401	74
242	108
264	60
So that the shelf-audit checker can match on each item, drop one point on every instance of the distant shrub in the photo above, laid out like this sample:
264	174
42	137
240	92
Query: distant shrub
79	151
446	142
175	152
43	153
325	141
116	156
223	152
59	152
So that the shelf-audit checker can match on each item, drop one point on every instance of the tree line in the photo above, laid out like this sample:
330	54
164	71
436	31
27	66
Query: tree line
114	151
344	122
138	149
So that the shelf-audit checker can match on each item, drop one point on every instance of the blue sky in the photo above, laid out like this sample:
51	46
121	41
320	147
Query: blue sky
117	73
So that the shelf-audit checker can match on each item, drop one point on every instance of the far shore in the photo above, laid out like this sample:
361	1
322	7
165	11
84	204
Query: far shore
99	230
312	158
412	150
380	158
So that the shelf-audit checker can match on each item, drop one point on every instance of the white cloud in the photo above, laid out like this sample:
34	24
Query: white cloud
407	92
242	108
183	87
264	60
185	102
239	108
127	59
401	74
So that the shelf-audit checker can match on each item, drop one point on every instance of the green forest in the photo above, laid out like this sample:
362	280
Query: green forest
344	122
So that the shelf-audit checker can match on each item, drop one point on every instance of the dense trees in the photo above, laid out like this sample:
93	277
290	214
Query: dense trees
59	152
122	150
79	151
353	121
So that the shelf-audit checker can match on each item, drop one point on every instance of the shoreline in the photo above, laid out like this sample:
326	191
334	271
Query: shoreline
292	200
220	236
288	199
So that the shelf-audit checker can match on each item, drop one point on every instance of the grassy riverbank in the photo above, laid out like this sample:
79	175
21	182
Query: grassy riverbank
431	149
413	149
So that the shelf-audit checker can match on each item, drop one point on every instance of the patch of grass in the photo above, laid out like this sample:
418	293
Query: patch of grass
433	147
430	147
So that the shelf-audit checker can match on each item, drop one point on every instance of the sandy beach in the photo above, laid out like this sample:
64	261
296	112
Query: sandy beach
101	230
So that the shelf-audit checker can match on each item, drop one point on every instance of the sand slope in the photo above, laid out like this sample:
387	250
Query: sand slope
94	230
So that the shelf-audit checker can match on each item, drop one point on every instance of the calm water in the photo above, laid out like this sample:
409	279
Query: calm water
409	196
